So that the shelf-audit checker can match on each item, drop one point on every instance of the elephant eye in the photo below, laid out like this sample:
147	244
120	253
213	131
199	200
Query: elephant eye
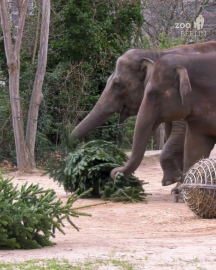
154	95
118	87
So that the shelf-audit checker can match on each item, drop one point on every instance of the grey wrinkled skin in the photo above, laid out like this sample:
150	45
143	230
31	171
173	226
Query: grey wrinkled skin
124	92
169	151
179	87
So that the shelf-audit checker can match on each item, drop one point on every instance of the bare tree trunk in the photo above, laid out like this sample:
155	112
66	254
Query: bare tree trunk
37	95
160	135
12	52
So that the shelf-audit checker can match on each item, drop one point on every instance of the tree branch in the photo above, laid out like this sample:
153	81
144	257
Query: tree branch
22	18
6	30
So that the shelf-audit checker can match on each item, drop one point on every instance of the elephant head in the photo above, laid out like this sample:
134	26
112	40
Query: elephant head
123	93
167	98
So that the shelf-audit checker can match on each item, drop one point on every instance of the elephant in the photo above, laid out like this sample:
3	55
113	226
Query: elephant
179	87
124	92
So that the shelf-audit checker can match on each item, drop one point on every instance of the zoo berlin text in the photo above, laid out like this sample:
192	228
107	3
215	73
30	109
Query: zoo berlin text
198	25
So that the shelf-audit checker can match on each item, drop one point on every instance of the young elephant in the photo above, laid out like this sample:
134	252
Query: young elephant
179	87
124	92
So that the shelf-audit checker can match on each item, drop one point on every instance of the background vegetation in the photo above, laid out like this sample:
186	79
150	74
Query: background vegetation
86	38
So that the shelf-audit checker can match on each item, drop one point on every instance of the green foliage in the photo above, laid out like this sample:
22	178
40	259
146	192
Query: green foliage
124	188
86	39
3	61
111	131
128	133
7	146
95	28
165	42
90	167
30	216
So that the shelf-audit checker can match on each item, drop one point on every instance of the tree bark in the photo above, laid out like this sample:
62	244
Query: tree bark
12	52
37	95
160	135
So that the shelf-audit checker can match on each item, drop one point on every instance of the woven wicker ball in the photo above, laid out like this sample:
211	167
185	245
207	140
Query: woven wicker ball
199	188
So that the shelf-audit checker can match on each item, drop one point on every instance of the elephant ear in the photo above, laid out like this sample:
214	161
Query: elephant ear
184	82
147	66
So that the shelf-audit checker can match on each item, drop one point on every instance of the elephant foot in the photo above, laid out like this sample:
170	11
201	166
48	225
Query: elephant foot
177	190
171	178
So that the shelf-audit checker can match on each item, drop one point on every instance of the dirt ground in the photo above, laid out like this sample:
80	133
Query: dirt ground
161	234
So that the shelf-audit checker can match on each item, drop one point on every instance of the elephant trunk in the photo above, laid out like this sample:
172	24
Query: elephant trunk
145	124
99	115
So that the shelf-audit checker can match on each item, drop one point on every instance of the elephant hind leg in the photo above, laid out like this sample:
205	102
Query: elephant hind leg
197	146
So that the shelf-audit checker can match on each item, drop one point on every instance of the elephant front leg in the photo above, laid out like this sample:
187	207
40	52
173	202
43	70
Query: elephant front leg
171	158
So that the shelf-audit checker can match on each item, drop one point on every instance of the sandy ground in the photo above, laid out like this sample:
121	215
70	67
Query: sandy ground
161	234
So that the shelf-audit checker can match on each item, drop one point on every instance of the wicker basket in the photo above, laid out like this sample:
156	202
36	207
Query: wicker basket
199	188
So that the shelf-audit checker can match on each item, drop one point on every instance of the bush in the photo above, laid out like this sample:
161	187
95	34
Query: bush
30	216
90	167
86	39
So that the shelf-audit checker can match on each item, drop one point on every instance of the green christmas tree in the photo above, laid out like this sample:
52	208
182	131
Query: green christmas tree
31	215
89	167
